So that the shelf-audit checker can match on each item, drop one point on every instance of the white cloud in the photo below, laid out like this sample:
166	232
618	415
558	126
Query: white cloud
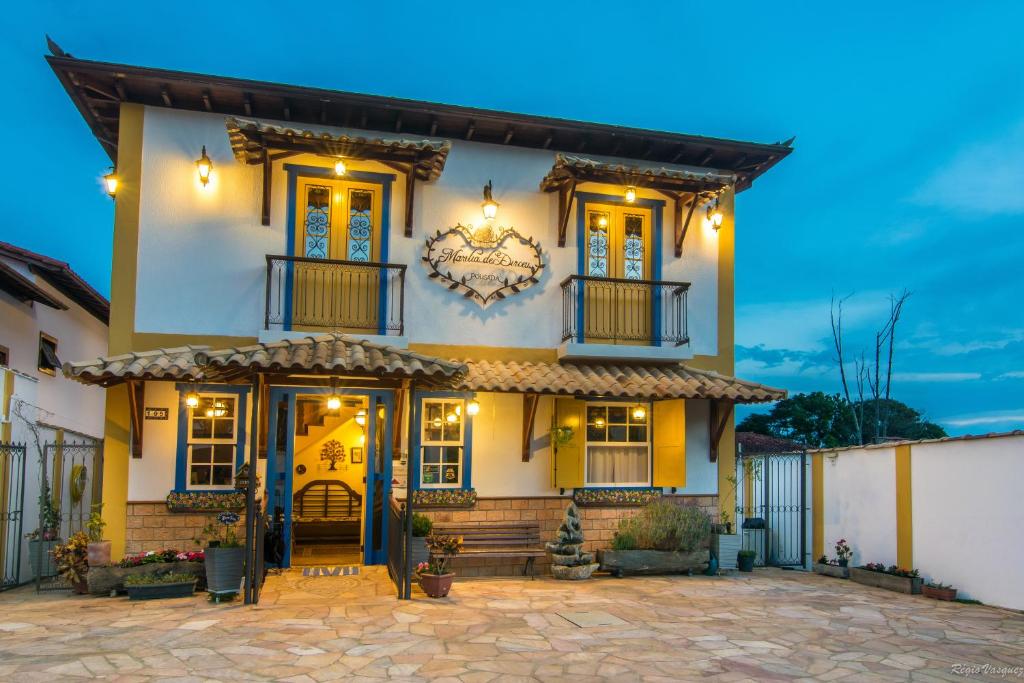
935	376
1013	374
804	325
1007	417
983	178
749	367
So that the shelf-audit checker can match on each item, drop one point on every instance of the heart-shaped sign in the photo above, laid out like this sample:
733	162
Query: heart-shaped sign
485	264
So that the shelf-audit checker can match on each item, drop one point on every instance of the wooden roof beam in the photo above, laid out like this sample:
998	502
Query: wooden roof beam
530	402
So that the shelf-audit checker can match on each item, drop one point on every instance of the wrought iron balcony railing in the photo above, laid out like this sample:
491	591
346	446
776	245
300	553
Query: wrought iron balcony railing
344	296
602	310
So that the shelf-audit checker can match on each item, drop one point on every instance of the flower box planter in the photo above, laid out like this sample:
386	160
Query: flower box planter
725	547
40	556
948	594
205	501
834	570
444	498
104	580
891	582
616	497
224	569
157	591
622	562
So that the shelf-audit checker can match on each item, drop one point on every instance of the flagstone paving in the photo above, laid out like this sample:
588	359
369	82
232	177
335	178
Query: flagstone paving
770	626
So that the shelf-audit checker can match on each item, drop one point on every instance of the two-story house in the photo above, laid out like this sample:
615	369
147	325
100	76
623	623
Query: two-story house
365	295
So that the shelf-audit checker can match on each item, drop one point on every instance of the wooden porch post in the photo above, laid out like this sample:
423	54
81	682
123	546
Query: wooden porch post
250	492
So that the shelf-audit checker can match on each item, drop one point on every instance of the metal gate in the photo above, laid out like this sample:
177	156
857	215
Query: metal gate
70	486
12	507
771	504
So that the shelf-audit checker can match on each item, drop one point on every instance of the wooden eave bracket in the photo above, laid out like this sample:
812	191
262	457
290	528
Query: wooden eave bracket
566	195
136	407
530	402
721	411
682	227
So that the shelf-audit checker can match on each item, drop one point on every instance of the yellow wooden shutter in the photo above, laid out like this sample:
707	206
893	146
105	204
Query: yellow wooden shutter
669	423
569	457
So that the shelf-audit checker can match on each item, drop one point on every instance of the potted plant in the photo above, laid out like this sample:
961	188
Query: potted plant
843	552
157	586
745	560
832	568
891	578
422	526
43	541
664	538
72	563
98	549
568	561
939	591
435	579
224	555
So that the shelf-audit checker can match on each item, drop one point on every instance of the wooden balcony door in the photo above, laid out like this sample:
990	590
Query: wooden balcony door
337	227
618	247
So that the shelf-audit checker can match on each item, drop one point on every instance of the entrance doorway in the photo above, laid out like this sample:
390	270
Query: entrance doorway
329	474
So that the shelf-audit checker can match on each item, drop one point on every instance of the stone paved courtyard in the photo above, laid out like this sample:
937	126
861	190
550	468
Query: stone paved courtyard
772	625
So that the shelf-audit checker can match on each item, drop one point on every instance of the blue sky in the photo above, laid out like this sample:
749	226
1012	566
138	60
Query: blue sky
909	169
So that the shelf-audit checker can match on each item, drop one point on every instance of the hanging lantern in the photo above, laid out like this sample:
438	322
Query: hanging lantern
110	181
361	417
473	407
333	400
630	194
490	207
639	413
204	165
339	167
192	399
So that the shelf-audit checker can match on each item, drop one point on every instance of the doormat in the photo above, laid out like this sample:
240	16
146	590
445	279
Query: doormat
330	571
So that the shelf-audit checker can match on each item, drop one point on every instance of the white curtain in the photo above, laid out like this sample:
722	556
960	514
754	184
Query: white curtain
617	464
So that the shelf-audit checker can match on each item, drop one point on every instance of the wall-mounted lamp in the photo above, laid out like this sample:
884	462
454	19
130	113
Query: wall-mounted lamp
339	167
630	194
361	418
110	182
192	399
639	413
204	165
490	207
473	407
713	216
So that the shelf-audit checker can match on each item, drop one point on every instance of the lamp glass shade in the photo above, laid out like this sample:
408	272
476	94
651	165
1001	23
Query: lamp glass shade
630	194
361	418
473	407
490	208
204	165
110	182
333	402
639	413
339	167
192	399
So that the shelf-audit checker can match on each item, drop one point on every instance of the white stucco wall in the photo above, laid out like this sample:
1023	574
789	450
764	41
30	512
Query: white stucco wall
967	518
202	251
860	503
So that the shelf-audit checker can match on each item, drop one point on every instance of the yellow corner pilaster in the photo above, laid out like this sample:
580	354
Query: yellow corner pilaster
116	456
817	506
904	509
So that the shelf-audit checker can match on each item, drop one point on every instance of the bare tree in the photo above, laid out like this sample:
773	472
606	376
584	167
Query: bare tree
836	315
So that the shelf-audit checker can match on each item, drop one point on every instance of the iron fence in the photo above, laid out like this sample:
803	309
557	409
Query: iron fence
347	296
399	561
771	506
12	510
611	310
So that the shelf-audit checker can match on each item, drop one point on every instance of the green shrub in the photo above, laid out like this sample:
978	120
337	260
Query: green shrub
665	526
746	553
624	540
421	525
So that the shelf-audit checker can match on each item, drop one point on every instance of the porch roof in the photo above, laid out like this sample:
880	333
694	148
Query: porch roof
251	140
570	168
326	354
618	380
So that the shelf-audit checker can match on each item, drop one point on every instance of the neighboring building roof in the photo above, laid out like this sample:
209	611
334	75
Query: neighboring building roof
99	88
23	289
752	442
60	275
621	380
908	442
322	354
336	353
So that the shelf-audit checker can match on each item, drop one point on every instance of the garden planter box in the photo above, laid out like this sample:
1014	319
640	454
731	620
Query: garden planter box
103	580
832	570
156	591
725	547
622	562
948	594
899	584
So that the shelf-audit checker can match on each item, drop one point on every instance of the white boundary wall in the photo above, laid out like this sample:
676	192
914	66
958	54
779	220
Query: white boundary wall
967	522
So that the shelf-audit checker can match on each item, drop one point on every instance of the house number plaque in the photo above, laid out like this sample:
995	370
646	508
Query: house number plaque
485	264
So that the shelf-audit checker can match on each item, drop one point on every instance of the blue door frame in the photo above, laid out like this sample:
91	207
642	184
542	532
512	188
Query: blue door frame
280	465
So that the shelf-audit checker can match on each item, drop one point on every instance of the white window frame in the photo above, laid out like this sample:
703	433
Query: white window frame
461	443
212	441
588	443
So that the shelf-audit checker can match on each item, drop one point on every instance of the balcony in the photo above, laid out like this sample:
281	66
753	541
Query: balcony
365	299
618	318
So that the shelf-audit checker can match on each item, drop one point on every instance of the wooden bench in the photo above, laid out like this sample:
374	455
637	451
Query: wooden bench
513	540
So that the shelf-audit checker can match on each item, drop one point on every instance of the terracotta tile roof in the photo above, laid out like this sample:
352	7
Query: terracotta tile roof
23	289
178	364
323	354
568	166
249	139
331	353
61	276
614	380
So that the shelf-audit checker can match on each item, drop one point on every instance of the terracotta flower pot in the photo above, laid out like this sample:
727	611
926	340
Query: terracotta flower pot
99	554
948	594
436	585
